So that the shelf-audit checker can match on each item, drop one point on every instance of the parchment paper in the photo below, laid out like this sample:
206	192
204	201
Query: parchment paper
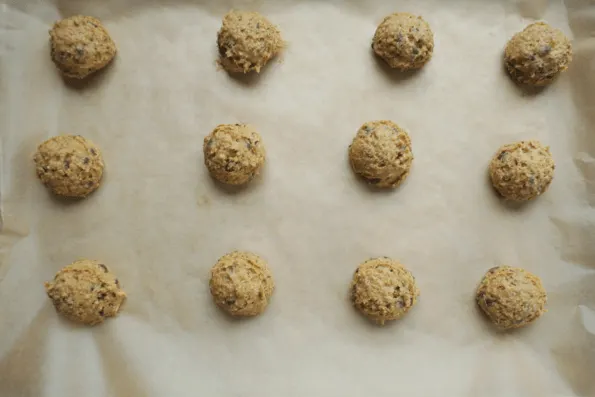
160	222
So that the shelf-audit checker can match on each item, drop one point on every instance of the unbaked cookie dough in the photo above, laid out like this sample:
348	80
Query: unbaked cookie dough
69	165
404	41
538	54
234	153
523	170
86	292
383	290
247	41
241	284
381	153
80	45
511	297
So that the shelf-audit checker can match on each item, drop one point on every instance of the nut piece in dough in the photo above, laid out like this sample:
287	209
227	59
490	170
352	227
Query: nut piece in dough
247	41
86	292
511	297
383	290
381	153
241	284
523	170
80	45
538	54
234	153
404	41
69	165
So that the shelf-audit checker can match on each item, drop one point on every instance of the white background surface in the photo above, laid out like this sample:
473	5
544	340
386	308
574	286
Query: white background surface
160	223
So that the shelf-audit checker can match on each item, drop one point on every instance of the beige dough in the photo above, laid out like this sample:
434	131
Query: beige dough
80	45
511	297
234	153
522	170
405	41
241	284
538	54
86	292
247	41
382	289
69	165
381	153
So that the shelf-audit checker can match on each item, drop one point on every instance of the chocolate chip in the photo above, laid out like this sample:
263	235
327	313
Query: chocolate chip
374	181
86	160
502	155
45	169
67	164
101	265
101	296
101	313
93	152
230	301
490	302
117	282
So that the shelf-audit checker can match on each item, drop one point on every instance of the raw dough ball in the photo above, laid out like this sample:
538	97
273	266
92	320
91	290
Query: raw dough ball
522	171
381	153
241	284
511	297
86	292
247	41
69	165
538	54
383	290
404	41
80	46
234	153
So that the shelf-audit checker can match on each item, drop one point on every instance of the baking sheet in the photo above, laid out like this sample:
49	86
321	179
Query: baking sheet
160	223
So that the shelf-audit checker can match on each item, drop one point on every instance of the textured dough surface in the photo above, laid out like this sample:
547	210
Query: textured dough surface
381	153
511	297
241	284
234	153
247	41
80	45
69	165
86	292
538	54
382	289
523	170
404	41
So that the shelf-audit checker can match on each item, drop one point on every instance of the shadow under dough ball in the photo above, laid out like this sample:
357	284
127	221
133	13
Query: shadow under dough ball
241	284
511	297
522	171
382	289
404	41
381	153
86	292
69	165
247	41
80	45
234	153
538	54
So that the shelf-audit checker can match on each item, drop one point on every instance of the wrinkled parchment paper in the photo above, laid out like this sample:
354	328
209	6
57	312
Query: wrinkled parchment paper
160	222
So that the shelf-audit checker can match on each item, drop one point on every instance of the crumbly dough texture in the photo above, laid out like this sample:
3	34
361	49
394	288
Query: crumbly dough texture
234	153
381	153
383	289
523	170
241	284
404	41
69	165
80	45
538	54
247	41
511	297
86	292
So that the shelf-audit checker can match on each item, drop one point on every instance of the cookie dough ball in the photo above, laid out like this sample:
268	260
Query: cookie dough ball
86	292
241	284
404	41
69	165
247	41
234	153
381	153
80	45
522	171
383	290
511	297
538	54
